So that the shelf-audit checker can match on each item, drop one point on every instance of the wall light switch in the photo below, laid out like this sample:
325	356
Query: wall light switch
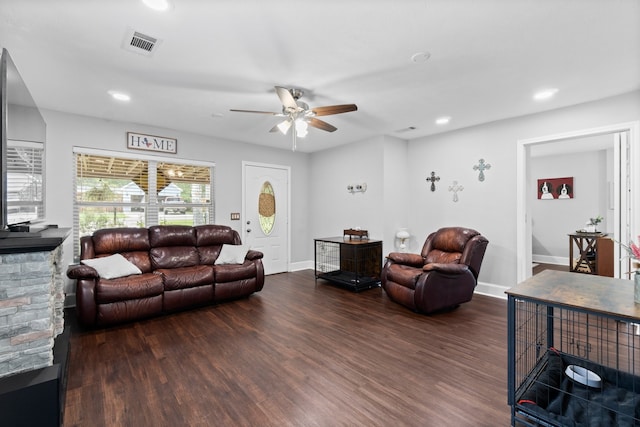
235	216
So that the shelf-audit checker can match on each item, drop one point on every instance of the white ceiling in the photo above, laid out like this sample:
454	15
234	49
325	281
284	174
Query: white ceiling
487	59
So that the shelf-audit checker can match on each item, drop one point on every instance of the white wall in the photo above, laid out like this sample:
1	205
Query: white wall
396	192
380	162
490	207
64	131
332	207
321	205
553	220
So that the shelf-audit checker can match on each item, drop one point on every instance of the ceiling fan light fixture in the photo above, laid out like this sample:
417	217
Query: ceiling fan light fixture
284	126
302	128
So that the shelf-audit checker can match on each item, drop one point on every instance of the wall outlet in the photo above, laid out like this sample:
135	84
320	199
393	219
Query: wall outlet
235	216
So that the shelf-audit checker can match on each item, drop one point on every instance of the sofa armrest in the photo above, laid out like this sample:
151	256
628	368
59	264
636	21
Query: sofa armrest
414	260
86	308
253	255
81	271
446	268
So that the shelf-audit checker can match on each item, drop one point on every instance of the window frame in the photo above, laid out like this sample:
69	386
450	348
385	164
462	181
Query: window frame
151	206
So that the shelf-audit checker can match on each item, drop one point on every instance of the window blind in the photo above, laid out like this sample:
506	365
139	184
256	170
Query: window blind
25	183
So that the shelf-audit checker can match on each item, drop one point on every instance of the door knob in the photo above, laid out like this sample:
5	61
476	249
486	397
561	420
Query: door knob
248	230
248	222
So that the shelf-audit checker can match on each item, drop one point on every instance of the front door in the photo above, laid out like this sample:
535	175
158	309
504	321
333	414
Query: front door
265	212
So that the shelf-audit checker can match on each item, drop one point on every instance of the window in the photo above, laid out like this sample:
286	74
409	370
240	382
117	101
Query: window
116	190
25	186
267	208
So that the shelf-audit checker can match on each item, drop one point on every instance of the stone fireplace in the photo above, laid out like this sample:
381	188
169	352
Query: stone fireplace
34	342
31	309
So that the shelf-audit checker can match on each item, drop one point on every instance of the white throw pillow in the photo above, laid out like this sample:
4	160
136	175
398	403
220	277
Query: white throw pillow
232	254
112	267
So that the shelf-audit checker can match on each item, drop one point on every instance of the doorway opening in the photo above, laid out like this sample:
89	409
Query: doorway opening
626	176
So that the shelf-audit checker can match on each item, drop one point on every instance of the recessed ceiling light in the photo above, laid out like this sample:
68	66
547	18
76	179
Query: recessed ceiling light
545	94
160	5
420	57
443	120
120	96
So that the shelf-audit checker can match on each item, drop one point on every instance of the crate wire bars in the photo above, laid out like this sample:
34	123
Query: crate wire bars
541	393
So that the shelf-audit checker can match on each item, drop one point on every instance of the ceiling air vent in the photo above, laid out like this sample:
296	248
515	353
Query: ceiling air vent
137	42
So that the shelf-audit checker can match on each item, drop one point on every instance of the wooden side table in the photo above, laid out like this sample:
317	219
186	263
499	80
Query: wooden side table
594	254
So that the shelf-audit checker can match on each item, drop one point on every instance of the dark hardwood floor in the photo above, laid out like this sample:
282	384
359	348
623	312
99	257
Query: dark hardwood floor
296	354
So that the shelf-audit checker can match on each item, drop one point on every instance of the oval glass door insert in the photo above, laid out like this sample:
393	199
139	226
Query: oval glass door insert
267	208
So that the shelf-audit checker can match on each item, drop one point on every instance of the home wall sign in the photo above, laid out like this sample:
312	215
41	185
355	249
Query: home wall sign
555	188
139	141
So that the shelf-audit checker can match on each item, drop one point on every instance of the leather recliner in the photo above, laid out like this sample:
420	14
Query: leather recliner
443	276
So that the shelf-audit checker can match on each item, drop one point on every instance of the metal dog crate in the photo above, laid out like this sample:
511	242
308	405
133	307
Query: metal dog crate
352	263
574	351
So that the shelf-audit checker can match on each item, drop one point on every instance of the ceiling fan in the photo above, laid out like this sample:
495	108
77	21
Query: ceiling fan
299	115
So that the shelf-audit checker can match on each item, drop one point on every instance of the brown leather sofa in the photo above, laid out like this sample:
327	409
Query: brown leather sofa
178	270
443	276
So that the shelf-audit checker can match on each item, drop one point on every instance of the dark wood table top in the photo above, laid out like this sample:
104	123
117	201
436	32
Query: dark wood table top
604	295
347	240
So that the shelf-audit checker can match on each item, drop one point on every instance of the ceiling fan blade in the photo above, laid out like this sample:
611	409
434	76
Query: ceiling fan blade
334	109
288	101
317	123
254	111
282	126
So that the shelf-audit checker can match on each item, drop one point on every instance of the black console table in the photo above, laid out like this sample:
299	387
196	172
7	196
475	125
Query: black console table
354	264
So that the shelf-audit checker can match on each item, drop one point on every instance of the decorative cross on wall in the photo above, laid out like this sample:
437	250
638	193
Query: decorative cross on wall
481	166
455	188
433	180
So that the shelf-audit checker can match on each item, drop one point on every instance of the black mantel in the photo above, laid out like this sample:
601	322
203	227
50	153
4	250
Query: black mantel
43	240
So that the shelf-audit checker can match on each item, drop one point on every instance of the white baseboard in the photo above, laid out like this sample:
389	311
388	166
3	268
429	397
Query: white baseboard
546	259
302	265
488	289
491	290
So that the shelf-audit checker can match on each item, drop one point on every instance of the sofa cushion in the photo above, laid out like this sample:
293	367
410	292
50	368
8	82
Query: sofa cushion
441	257
210	239
232	254
119	240
128	288
233	272
171	235
112	267
209	254
404	275
186	277
174	257
211	234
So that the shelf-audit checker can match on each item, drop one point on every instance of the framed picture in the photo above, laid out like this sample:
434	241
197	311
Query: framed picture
555	188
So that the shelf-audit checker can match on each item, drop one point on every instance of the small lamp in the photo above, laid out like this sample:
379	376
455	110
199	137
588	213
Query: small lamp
403	235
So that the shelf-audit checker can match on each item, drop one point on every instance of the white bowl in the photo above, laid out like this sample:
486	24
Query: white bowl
583	376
